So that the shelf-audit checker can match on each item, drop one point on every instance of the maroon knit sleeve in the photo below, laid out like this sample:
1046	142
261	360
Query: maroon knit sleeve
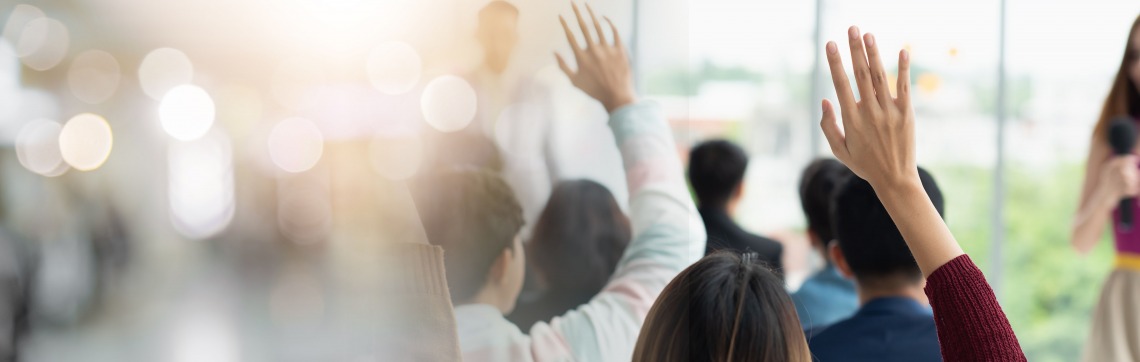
971	324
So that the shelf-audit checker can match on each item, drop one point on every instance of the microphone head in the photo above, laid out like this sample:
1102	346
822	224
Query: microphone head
1122	135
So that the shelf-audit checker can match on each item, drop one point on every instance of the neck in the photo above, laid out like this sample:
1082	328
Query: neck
913	292
489	295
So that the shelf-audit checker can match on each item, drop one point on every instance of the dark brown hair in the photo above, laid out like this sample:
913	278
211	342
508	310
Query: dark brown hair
818	183
473	215
725	307
579	238
1123	98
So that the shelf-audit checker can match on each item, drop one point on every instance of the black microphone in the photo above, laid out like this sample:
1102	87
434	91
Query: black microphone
1122	138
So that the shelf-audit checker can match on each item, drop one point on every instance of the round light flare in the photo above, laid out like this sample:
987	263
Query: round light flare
85	141
43	43
18	21
94	76
394	68
396	158
201	185
187	112
448	103
163	69
37	148
295	145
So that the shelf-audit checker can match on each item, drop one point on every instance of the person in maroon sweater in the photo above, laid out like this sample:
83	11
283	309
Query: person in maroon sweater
728	307
877	142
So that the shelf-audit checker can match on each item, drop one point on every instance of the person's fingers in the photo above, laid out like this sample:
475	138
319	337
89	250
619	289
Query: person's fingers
903	86
562	64
613	29
582	24
878	75
835	137
570	36
859	65
597	25
839	77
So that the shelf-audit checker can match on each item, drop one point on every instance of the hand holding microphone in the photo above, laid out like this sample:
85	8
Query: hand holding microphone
1120	173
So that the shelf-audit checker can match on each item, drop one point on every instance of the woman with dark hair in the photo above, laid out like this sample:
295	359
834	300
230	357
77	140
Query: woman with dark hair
1109	178
573	250
726	309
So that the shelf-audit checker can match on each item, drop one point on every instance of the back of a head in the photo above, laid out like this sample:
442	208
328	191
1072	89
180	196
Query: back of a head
579	238
473	215
723	308
716	169
869	240
818	183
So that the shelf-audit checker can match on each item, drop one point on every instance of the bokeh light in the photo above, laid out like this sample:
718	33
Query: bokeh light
448	103
397	158
18	20
187	112
394	68
43	43
295	145
201	181
37	148
94	76
85	141
293	79
163	69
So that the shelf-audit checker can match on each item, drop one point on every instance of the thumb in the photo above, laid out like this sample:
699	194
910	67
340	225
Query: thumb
835	136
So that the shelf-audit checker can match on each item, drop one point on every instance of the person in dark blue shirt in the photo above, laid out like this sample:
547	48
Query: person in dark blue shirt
894	322
826	297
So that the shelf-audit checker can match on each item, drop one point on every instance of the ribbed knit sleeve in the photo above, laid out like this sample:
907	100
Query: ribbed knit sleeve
424	321
971	324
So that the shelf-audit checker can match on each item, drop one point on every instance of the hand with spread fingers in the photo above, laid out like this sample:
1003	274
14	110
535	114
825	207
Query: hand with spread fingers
877	137
603	67
877	142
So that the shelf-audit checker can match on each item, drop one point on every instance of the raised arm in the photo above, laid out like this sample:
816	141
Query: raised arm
876	141
1107	180
667	232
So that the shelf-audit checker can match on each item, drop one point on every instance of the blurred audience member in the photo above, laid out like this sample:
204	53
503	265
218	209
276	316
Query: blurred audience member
893	322
716	171
573	250
514	108
475	218
826	296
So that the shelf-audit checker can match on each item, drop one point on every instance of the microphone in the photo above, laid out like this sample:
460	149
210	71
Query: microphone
1122	138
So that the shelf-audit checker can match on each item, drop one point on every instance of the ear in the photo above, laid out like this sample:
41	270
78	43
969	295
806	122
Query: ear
840	261
501	265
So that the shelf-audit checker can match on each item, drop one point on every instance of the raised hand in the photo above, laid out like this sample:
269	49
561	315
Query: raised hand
603	67
877	137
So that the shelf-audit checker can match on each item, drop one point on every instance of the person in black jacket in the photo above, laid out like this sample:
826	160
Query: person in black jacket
716	172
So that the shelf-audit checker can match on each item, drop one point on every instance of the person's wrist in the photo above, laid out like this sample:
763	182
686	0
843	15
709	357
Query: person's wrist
899	182
619	100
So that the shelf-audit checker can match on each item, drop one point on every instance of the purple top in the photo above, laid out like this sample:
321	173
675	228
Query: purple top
1127	241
